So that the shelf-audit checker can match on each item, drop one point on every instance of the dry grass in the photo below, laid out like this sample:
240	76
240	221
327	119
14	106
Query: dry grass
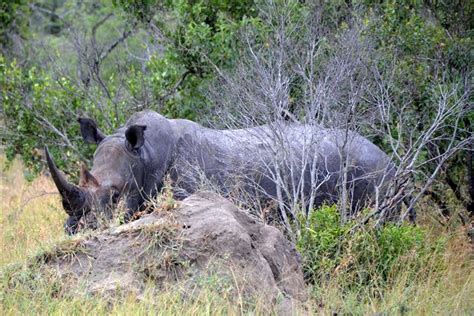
31	215
31	220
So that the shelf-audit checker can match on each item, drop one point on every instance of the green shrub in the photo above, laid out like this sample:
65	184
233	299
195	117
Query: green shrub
363	253
320	241
40	109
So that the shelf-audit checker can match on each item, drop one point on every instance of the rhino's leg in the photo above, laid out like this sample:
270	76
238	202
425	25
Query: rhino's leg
128	215
412	212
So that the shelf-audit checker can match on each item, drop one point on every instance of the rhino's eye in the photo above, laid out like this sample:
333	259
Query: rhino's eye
129	147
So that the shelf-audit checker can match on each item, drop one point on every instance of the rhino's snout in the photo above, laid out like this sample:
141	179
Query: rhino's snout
101	202
72	224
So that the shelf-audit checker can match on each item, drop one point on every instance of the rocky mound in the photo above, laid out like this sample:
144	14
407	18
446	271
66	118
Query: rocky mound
205	235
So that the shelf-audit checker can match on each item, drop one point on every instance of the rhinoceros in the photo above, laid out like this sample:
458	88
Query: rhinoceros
132	163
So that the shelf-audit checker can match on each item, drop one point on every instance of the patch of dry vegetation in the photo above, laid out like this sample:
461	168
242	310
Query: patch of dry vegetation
31	215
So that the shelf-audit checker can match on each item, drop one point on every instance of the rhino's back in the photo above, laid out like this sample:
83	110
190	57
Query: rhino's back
298	141
253	154
289	146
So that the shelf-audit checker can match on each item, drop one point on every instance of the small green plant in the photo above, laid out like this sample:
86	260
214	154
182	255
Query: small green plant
321	240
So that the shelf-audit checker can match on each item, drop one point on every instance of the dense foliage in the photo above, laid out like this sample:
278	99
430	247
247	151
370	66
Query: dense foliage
365	256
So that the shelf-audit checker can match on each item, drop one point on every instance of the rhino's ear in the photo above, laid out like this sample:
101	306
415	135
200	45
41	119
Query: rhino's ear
135	135
87	178
90	132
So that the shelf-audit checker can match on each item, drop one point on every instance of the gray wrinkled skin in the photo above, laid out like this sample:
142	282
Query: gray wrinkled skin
243	159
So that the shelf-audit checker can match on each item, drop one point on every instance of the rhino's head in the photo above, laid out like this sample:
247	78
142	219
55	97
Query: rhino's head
118	171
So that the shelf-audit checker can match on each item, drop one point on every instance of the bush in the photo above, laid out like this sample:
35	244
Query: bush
40	109
363	253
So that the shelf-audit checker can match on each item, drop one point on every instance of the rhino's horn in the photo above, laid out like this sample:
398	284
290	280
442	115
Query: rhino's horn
72	196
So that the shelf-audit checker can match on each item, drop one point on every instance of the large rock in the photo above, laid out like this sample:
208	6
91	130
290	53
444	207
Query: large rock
205	235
